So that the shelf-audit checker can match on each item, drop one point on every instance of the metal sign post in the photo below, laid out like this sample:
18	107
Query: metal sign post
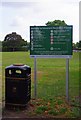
51	42
67	79
35	78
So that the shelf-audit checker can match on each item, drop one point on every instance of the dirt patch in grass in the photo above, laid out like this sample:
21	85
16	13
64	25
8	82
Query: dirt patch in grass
37	108
39	74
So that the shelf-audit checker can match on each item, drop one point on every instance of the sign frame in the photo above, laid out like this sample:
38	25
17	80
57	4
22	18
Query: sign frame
56	28
52	56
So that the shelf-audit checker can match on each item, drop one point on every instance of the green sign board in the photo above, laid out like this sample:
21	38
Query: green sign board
51	40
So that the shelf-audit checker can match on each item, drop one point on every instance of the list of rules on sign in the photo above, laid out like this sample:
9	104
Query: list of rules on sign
51	40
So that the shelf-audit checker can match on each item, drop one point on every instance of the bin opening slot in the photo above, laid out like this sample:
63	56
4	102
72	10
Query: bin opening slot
18	71
13	72
10	72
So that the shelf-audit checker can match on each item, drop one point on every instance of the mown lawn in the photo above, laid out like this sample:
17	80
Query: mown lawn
51	73
0	76
51	76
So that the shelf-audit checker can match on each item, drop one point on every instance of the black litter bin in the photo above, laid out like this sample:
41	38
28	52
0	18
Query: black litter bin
17	85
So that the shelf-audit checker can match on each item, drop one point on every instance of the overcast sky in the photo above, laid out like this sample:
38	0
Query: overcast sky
19	15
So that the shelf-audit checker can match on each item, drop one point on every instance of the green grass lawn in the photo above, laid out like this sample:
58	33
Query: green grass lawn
51	75
0	76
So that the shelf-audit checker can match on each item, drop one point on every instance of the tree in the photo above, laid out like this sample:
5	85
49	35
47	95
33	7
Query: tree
74	46
77	45
56	23
80	44
0	46
13	42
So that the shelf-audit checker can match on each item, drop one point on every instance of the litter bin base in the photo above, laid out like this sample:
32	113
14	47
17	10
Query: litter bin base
15	106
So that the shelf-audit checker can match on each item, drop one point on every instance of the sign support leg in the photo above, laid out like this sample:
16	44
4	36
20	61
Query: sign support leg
67	79
35	78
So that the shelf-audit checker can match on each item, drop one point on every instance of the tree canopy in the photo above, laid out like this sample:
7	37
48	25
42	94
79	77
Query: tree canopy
13	42
56	23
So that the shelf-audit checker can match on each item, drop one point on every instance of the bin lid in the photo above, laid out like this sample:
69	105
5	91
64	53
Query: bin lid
18	66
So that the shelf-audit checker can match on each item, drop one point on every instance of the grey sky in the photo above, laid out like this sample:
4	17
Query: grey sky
19	15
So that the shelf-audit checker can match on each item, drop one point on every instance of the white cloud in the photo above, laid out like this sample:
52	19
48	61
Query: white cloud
17	4
38	13
18	21
39	0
